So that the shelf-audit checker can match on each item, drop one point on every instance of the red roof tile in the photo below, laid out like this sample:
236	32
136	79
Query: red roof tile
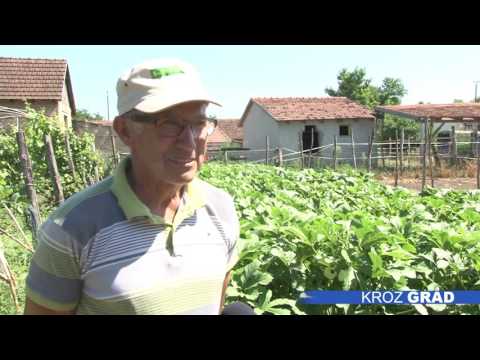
219	136
34	79
328	108
231	127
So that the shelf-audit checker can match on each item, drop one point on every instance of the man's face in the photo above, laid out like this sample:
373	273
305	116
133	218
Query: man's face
171	159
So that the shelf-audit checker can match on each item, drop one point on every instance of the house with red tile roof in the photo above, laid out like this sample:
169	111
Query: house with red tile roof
44	83
314	120
229	132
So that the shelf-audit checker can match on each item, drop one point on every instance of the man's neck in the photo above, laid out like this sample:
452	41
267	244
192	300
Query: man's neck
161	198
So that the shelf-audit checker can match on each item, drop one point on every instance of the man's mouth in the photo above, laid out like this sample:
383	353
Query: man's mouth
182	161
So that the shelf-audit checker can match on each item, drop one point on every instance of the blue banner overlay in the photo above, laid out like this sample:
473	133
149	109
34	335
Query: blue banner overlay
390	297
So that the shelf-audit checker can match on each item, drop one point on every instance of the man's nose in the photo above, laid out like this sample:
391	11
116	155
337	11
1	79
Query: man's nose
186	138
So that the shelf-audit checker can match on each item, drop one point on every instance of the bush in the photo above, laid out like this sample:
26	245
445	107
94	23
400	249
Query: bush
38	125
13	191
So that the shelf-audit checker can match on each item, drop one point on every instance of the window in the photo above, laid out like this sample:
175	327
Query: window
344	130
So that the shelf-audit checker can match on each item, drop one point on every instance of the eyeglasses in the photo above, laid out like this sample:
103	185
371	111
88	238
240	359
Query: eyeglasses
170	128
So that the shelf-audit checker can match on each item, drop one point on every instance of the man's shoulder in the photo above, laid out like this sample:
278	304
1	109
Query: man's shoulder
220	204
85	197
88	211
215	194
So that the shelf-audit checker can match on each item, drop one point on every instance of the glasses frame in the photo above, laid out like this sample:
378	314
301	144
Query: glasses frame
158	122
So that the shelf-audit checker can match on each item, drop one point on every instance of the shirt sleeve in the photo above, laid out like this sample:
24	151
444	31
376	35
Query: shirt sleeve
53	279
233	251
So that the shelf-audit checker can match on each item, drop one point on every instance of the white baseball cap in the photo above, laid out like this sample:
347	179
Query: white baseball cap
158	84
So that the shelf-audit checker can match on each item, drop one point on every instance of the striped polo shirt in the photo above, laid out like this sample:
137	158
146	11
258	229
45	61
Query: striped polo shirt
104	252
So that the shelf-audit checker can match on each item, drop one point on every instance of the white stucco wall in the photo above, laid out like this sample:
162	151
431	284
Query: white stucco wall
327	129
257	125
64	107
50	107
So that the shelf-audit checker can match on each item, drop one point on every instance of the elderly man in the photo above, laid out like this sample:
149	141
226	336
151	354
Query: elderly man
152	238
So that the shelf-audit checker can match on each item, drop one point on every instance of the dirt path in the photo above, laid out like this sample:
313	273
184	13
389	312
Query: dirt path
442	183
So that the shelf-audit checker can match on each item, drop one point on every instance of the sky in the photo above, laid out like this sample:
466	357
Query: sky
235	73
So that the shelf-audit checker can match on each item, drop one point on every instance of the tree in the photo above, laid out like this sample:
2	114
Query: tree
84	115
393	124
357	87
391	92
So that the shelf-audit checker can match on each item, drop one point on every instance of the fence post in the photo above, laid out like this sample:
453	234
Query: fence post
389	148
300	146
53	169
311	147
335	152
478	155
97	177
396	157
408	152
430	162
473	136
424	155
280	157
370	148
19	228
114	147
382	152
225	156
402	143
267	145
454	149
27	171
71	164
353	149
35	221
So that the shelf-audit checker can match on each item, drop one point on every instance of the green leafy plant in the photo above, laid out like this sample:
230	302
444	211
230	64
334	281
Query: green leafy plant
314	230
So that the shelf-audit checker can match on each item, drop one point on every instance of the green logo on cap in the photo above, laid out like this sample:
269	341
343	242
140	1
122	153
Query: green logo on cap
161	72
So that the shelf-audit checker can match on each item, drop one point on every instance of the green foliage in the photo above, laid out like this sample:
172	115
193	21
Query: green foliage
394	124
13	191
355	86
84	115
230	145
12	185
310	230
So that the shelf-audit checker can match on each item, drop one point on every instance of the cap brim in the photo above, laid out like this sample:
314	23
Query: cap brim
153	104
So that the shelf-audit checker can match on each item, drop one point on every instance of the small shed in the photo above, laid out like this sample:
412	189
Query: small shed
44	83
313	120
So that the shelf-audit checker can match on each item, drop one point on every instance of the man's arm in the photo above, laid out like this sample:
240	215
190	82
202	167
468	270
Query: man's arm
32	308
224	290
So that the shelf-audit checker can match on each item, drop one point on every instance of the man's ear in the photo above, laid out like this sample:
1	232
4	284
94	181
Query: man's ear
122	129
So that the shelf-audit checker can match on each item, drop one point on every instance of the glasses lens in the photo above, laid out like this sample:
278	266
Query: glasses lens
169	129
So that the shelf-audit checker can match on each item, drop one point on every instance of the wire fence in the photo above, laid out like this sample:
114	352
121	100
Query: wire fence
445	157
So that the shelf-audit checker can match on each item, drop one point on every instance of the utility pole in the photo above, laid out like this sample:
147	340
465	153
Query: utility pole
476	83
108	109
